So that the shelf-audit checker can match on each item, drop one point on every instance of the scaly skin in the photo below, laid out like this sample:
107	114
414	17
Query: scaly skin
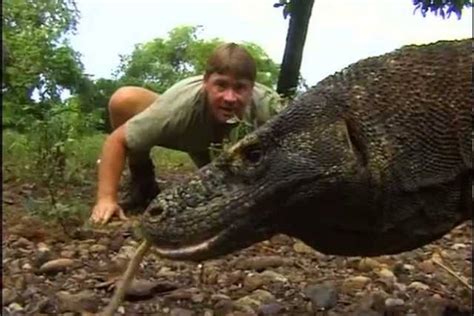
375	159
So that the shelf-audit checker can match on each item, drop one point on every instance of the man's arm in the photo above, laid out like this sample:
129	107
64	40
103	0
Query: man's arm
110	169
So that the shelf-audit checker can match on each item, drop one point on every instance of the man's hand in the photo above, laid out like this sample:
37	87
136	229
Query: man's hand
110	168
104	210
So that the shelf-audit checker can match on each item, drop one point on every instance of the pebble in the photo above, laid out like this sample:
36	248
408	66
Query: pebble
322	296
84	301
263	296
140	289
252	282
98	248
458	246
270	309
247	302
368	264
22	242
57	265
8	296
262	262
181	312
68	254
427	266
355	283
15	307
272	276
418	286
394	304
219	297
301	247
386	274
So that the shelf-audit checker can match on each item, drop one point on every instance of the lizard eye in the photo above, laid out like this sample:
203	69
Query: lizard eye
253	154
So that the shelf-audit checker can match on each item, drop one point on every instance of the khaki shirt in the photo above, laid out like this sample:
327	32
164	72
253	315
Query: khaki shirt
179	119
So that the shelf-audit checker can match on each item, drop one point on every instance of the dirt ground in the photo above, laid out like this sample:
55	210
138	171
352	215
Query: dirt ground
71	269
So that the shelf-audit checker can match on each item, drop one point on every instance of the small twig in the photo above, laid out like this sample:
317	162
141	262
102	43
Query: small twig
454	274
123	285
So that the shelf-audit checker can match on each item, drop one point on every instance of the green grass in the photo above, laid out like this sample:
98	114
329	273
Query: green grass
58	196
20	161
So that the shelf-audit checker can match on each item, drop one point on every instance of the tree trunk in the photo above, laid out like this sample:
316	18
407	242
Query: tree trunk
300	15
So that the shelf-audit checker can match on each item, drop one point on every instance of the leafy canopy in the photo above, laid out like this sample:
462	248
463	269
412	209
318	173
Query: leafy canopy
161	62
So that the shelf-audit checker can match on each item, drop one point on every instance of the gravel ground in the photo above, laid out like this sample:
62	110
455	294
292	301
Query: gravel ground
72	270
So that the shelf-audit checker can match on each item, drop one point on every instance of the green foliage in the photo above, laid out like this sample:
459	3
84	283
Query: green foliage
39	55
442	7
160	63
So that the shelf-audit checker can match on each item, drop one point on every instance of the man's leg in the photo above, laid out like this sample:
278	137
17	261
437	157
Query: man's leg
125	103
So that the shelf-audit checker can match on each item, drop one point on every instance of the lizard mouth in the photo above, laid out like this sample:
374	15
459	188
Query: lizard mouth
189	252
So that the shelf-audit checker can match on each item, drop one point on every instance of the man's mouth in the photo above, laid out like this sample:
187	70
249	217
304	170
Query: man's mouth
227	112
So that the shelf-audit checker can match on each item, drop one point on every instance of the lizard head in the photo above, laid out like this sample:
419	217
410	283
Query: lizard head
267	183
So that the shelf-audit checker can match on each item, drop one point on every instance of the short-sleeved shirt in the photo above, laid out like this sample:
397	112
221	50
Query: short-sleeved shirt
179	119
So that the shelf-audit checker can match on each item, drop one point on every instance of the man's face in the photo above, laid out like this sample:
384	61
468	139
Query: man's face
227	96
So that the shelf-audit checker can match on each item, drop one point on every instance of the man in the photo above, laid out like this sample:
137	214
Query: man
190	116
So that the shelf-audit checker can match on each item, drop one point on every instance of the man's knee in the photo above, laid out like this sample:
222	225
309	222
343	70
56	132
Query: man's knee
128	101
121	99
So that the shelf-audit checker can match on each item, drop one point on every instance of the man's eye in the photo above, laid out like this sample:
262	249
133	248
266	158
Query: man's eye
221	85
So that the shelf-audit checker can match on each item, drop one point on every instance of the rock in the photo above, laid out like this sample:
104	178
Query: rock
116	243
26	267
374	301
281	239
252	282
368	264
251	303
228	279
270	309
394	305
219	297
14	266
126	252
55	266
263	296
301	247
458	246
143	289
322	296
181	312
272	276
84	301
8	296
98	248
197	298
42	256
247	304
15	307
355	283
22	243
182	294
140	289
408	267
68	254
427	266
262	262
418	286
41	246
386	274
208	312
223	307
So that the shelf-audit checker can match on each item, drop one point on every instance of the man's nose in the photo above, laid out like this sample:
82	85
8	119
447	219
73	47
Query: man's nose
230	95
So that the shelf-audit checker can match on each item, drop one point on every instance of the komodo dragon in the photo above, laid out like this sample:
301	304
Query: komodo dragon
375	159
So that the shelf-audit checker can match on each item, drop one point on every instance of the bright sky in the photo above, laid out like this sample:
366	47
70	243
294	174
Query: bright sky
340	32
